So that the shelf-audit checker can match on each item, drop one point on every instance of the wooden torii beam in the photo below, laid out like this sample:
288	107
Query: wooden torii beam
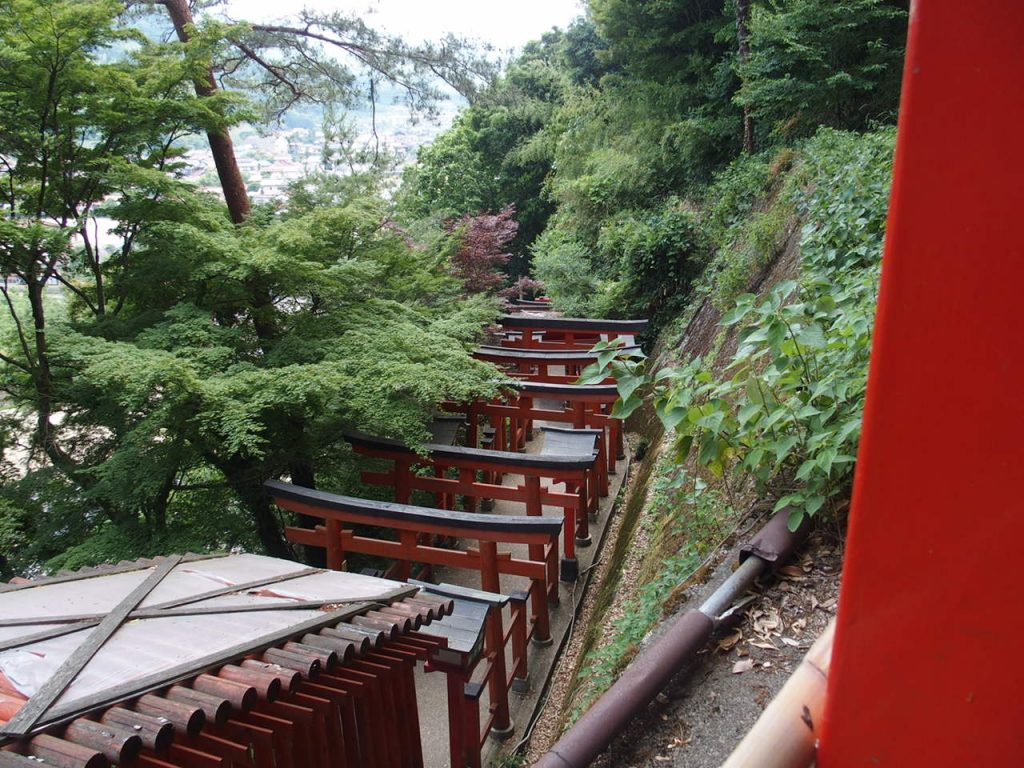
924	667
545	332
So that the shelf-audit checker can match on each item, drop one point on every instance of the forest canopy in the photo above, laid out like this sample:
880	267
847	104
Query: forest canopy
149	391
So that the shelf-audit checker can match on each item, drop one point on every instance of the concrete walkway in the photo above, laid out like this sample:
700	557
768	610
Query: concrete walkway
431	691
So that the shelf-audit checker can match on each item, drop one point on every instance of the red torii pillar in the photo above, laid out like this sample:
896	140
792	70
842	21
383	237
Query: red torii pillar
926	667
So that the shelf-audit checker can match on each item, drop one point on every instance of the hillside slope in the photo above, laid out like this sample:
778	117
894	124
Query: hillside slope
764	397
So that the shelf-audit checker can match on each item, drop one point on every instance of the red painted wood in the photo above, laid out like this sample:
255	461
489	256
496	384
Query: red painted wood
924	669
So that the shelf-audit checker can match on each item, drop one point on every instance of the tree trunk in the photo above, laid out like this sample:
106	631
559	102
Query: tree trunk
743	48
235	194
243	477
301	471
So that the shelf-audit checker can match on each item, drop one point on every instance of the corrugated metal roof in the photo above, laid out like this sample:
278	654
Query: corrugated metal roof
159	649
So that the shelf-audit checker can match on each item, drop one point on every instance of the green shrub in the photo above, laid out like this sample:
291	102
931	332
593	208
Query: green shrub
562	264
733	194
788	415
759	242
659	254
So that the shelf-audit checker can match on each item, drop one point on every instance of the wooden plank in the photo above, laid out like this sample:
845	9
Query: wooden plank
213	610
45	634
87	620
36	707
230	589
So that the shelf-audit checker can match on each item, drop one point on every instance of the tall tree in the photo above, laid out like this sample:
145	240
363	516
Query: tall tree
221	147
824	62
199	357
743	54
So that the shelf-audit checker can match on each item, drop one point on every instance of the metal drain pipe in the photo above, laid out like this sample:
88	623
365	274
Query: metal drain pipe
651	671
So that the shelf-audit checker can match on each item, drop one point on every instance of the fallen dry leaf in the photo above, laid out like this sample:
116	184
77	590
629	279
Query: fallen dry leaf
791	570
727	642
763	644
742	666
766	623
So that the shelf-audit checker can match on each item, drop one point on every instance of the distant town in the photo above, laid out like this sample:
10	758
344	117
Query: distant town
273	157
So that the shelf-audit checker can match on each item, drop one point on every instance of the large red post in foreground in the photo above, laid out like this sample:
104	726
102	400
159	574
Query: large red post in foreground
926	669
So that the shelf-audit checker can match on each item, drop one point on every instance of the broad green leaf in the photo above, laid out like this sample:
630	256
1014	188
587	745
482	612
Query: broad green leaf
796	516
592	374
672	417
747	412
807	412
806	469
811	337
813	504
784	446
623	408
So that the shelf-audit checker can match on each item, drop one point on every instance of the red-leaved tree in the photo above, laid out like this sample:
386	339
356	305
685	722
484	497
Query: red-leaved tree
481	256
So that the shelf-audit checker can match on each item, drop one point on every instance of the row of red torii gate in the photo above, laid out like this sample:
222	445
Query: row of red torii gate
242	660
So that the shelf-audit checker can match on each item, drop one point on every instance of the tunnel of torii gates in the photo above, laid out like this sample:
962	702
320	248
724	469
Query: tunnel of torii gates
924	669
242	661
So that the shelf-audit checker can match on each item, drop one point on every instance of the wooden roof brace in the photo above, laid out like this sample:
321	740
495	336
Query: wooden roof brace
26	717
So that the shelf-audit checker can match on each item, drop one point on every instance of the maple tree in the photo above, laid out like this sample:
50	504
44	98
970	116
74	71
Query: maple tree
481	251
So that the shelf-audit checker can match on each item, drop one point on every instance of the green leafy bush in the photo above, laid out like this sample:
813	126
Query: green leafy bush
659	254
562	264
788	411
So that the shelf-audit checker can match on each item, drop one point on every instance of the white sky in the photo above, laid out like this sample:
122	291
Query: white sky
502	24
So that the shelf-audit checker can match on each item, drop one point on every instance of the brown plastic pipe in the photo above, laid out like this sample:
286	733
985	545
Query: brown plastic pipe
639	684
652	670
786	734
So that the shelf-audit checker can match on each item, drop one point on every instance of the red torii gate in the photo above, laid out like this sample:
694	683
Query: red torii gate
924	669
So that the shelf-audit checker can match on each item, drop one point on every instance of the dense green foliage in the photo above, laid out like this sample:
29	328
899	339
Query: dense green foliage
602	135
812	63
788	414
172	376
181	363
784	414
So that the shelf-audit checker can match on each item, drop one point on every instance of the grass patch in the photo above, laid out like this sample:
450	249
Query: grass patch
685	523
